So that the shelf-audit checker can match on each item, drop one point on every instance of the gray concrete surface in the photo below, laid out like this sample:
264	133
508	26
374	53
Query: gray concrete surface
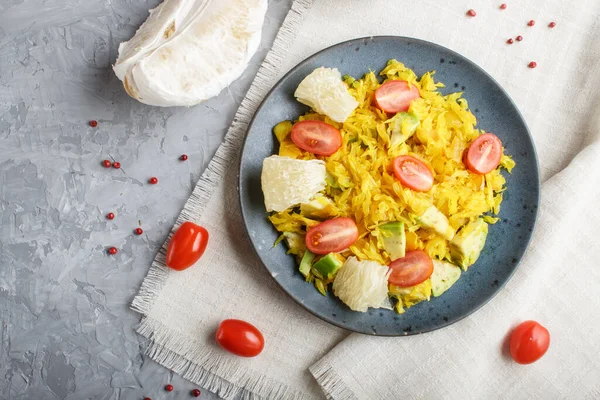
67	331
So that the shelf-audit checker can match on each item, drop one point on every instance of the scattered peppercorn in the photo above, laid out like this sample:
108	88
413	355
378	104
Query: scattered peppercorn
169	388
196	393
153	180
519	38
93	123
112	250
110	215
552	24
503	6
138	231
531	23
147	398
116	165
510	41
471	13
183	157
532	64
106	163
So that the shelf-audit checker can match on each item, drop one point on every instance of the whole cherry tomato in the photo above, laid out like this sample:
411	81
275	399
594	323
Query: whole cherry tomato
529	342
186	246
240	338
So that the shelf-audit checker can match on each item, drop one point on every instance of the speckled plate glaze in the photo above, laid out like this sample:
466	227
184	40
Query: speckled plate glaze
507	240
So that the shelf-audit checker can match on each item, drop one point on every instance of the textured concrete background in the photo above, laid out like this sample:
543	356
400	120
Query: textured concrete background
67	332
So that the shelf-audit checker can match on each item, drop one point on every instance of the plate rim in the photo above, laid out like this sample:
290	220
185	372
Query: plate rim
472	64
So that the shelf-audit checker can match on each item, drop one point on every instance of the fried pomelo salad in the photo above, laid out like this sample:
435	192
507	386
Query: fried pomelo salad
385	190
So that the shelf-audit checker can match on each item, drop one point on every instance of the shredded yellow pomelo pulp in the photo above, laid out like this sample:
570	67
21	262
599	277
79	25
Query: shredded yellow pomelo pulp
361	181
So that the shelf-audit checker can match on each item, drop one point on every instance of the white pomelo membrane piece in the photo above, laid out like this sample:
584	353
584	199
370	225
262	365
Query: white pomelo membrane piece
187	51
324	91
362	284
151	34
287	182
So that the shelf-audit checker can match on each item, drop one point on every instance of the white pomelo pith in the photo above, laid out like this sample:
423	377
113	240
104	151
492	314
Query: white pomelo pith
362	284
287	182
187	51
324	91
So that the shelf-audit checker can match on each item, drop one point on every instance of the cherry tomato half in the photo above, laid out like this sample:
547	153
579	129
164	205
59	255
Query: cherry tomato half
415	267
529	342
240	338
332	236
395	96
186	246
316	137
413	173
484	154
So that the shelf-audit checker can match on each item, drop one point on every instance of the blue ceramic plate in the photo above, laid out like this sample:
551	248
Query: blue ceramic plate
507	240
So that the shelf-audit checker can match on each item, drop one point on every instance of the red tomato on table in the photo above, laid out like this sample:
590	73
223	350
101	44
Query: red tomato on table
395	96
186	246
332	236
529	342
484	154
414	268
316	137
240	338
413	173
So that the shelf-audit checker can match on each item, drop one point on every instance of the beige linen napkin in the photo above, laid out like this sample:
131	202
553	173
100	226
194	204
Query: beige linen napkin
557	283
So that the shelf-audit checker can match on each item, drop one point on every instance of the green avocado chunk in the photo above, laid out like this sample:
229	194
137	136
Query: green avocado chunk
403	126
435	220
282	130
306	262
327	266
466	246
295	243
444	275
394	239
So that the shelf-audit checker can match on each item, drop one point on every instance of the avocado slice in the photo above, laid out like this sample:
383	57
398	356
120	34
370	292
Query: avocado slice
295	243
282	130
403	126
331	181
306	262
444	275
320	207
435	220
394	239
327	266
348	79
466	246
